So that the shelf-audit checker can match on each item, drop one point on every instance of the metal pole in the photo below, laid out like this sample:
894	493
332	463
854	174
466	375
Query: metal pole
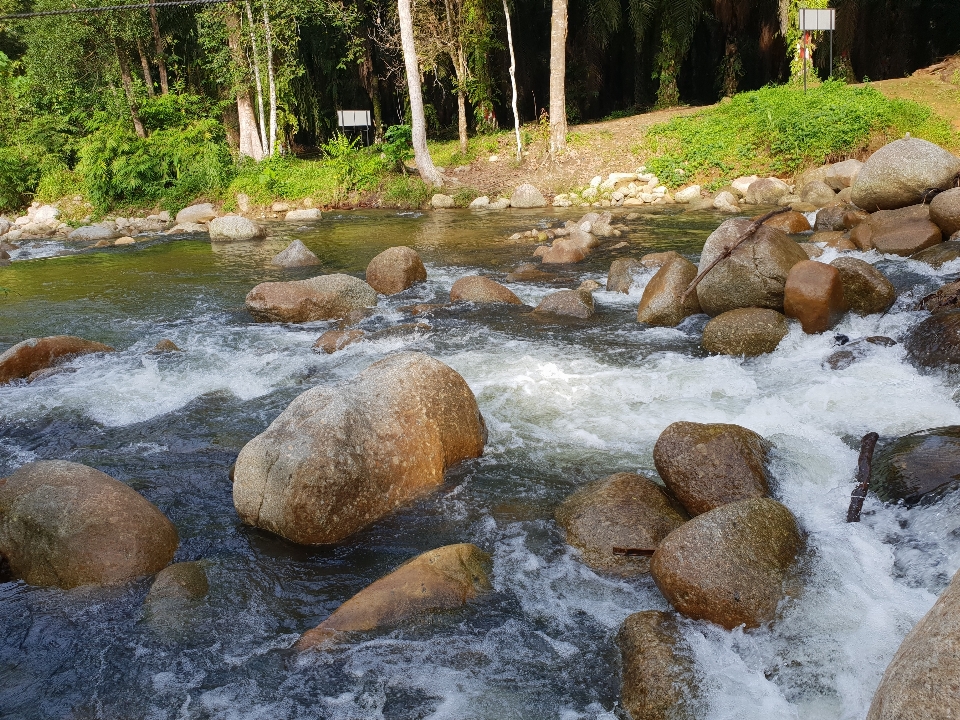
831	53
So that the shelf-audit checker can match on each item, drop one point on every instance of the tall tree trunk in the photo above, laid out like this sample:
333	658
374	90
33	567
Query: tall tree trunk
371	83
159	46
251	139
271	81
256	76
460	69
145	64
462	120
513	80
127	79
428	172
558	72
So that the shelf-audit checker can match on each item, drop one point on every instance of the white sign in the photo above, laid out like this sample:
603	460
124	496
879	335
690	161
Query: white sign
354	118
817	19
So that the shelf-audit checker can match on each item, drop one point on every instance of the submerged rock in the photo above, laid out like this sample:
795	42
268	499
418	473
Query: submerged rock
303	215
745	331
567	303
30	356
709	465
164	346
920	683
66	525
339	458
395	270
324	297
180	581
441	579
899	174
334	340
658	669
944	299
866	290
479	289
662	303
814	296
624	511
730	565
93	233
856	350
295	255
918	467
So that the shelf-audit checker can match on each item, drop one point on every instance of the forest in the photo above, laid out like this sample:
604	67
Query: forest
164	102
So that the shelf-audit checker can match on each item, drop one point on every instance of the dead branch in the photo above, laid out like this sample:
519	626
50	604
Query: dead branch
864	469
634	552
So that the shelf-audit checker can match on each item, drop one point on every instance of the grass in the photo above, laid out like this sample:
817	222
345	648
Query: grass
446	153
782	130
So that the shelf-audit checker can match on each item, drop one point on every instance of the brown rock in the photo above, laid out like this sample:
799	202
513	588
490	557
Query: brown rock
658	669
325	297
479	289
935	342
907	238
569	303
570	249
939	255
66	524
620	277
866	290
165	346
944	299
831	217
394	270
814	296
890	224
790	222
662	303
529	272
755	273
945	211
709	465
180	581
834	239
340	457
333	340
852	218
921	682
745	331
818	193
623	511
730	565
441	579
812	251
35	354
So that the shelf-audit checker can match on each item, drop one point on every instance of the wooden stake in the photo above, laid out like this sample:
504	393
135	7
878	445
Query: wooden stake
864	469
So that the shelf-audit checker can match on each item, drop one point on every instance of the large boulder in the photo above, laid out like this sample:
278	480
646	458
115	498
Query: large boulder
479	289
945	211
620	277
818	193
567	303
571	249
441	579
920	683
918	467
866	290
731	565
766	191
662	303
901	173
29	356
527	196
339	458
66	525
904	231
935	343
814	296
790	222
202	213
659	682
295	255
619	511
745	331
235	227
93	233
395	270
709	465
754	275
324	297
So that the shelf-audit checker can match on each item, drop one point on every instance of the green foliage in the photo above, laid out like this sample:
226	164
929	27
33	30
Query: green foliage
464	196
778	130
407	192
398	145
18	177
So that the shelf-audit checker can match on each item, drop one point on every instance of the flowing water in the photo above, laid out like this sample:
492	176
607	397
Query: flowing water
565	403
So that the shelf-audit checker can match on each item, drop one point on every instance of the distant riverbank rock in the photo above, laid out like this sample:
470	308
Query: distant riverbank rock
527	196
395	269
866	290
818	194
920	683
93	233
935	343
235	227
745	331
814	296
324	297
918	467
202	213
843	174
339	458
479	289
766	191
295	255
898	174
567	303
755	273
622	511
709	465
303	215
442	579
945	211
66	525
29	356
659	682
663	302
730	565
442	202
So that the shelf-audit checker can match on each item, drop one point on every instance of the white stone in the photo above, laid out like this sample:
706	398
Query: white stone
647	197
235	227
527	196
304	215
201	213
243	202
688	194
742	184
617	196
589	194
46	213
617	178
494	158
596	181
441	201
501	204
480	203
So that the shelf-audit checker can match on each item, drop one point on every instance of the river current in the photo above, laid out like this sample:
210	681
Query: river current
565	403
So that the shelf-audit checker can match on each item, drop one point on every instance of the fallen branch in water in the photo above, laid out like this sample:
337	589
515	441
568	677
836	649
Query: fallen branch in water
867	446
634	552
754	226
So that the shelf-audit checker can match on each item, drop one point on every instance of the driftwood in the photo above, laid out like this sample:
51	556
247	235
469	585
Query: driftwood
634	552
864	469
754	226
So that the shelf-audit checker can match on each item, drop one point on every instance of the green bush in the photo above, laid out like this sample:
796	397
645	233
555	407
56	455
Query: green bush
781	130
19	174
407	192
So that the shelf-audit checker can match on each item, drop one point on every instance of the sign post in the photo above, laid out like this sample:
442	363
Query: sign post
812	20
355	119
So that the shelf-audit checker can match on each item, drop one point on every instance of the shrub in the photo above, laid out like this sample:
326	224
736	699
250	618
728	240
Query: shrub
19	174
407	192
